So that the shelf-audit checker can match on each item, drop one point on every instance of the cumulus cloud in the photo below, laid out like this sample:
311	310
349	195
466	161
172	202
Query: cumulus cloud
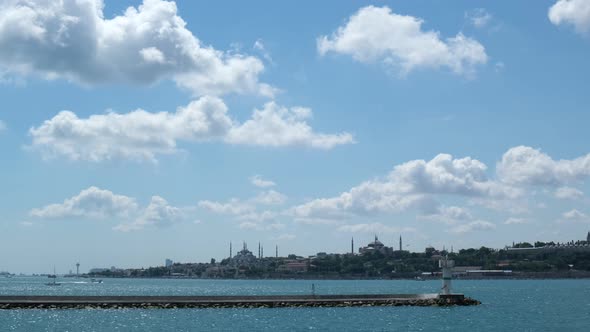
449	215
73	40
249	225
233	206
158	213
96	203
270	197
477	225
259	182
571	12
413	184
138	135
523	165
478	17
141	135
275	126
92	203
374	228
575	215
568	193
376	34
515	221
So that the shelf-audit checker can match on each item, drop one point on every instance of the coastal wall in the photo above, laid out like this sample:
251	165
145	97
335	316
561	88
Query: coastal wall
170	302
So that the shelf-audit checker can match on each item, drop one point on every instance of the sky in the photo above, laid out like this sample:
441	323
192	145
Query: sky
137	131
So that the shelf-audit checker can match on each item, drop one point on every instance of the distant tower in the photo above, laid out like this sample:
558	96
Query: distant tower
277	251
352	246
400	243
588	238
230	251
259	250
77	269
262	252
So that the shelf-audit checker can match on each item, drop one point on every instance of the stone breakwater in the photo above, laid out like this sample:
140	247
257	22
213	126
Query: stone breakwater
178	302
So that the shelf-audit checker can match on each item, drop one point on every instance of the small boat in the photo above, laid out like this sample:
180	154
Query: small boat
96	281
54	281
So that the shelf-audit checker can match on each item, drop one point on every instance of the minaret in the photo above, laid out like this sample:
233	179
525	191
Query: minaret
77	269
262	252
230	250
258	250
277	251
400	243
352	246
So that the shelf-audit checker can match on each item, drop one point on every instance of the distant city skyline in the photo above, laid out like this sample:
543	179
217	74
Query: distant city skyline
138	131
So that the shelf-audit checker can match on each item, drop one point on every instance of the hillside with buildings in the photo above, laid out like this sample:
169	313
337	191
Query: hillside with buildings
377	260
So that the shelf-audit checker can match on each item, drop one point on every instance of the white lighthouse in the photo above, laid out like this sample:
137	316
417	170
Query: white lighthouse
447	274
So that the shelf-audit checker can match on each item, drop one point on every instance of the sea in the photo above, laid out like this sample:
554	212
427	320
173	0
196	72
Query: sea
507	305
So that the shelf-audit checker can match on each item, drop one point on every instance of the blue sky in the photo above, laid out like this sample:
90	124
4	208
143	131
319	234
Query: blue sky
168	130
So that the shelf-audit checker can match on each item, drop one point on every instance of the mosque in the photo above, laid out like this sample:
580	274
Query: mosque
378	246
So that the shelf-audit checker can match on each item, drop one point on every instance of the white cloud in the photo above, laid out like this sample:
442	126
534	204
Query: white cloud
573	12
249	225
96	203
141	135
270	197
137	135
376	34
234	206
449	215
73	40
286	237
276	126
515	221
158	213
374	228
92	203
524	165
568	193
258	217
413	184
2	126
259	182
477	225
575	215
478	17
260	48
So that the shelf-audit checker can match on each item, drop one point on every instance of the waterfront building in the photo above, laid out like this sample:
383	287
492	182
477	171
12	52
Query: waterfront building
168	262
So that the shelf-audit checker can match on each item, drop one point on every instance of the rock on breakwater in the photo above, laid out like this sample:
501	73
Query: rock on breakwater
177	302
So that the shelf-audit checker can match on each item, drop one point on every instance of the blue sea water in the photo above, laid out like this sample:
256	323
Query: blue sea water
508	305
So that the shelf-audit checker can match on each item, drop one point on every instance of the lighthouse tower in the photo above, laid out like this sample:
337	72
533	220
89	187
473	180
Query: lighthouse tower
447	274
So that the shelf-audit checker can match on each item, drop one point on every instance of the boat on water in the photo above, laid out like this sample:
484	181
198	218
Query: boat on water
96	281
54	279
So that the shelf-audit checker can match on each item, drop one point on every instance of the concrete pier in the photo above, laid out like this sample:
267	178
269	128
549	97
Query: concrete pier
274	301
